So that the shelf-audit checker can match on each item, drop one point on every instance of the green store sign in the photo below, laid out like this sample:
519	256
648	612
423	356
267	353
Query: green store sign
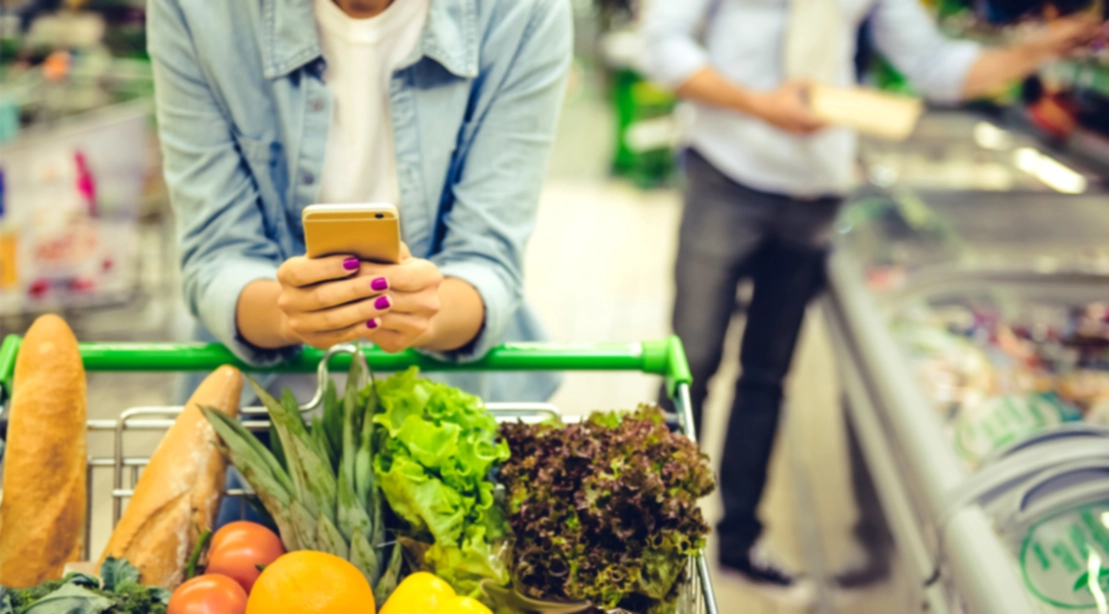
999	422
1065	559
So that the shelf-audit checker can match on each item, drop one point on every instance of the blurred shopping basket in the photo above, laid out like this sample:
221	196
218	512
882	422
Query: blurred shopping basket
661	357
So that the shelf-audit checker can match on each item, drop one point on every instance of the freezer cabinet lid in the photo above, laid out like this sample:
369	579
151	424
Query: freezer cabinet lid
1080	444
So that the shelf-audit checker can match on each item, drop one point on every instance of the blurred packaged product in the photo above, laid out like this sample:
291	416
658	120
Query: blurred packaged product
68	234
9	120
8	271
66	30
980	430
998	378
1099	412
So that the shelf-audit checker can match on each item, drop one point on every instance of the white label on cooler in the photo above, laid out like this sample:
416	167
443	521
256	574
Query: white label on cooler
999	422
1063	559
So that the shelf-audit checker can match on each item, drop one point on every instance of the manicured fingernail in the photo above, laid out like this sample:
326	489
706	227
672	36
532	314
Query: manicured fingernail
373	323
383	303
350	264
379	284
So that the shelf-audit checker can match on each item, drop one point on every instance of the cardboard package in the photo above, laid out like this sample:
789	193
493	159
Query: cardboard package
875	113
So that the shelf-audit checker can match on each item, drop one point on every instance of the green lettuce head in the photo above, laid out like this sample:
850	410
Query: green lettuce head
440	447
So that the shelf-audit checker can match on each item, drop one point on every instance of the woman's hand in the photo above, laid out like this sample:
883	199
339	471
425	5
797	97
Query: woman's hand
326	301
408	308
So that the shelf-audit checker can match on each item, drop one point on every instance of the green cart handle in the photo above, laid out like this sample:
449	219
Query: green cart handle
664	357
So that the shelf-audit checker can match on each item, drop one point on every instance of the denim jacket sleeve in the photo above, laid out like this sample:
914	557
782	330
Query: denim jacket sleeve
215	200
497	194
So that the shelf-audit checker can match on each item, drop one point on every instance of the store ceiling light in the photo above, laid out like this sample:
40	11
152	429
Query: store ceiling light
1050	171
989	136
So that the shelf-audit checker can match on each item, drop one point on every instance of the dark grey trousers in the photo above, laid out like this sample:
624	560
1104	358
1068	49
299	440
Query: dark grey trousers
730	233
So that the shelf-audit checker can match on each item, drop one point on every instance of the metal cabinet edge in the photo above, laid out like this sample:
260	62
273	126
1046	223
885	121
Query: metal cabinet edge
980	567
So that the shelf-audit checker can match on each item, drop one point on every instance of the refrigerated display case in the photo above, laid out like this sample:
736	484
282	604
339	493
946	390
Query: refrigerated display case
970	326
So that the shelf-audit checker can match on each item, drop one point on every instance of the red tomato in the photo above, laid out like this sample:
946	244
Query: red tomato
239	548
208	594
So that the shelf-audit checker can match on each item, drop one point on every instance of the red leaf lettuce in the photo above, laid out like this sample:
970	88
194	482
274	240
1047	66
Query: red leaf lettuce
605	510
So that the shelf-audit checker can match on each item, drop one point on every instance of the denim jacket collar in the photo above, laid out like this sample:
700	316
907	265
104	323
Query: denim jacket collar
291	39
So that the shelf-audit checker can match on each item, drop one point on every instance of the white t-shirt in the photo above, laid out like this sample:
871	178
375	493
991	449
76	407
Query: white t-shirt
360	165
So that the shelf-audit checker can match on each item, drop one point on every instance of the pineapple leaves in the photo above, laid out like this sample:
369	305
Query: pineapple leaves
308	479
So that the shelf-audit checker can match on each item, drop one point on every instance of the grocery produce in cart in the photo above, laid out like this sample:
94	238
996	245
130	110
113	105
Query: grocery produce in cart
317	482
396	495
176	500
307	582
42	512
116	591
410	461
241	550
419	592
606	510
420	449
208	594
439	447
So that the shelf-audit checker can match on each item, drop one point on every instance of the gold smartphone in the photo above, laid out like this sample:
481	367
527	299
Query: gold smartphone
370	232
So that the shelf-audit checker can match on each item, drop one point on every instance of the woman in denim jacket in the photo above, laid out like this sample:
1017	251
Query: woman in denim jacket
460	125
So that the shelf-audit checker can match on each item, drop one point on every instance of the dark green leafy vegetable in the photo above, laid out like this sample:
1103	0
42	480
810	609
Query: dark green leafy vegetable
21	598
118	592
116	572
82	579
70	599
605	510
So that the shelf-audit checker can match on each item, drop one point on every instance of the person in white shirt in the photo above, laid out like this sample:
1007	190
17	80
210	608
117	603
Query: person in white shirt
764	181
445	108
360	165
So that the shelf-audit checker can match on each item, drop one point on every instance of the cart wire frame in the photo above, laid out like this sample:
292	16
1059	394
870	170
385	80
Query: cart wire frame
665	357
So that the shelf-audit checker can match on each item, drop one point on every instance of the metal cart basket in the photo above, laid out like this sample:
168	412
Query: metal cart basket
664	357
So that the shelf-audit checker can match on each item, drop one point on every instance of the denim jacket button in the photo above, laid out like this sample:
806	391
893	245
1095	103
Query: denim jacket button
317	105
308	178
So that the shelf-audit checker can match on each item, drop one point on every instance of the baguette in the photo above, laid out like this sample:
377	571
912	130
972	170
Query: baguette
42	513
179	493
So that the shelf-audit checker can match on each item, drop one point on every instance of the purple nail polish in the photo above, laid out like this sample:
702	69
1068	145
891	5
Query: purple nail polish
383	303
379	284
350	264
372	323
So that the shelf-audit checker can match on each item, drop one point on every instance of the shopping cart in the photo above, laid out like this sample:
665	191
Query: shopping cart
660	357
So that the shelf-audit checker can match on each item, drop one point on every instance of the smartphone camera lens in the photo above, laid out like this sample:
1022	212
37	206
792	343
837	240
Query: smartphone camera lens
380	216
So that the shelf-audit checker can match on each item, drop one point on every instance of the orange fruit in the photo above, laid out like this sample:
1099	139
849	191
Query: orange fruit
306	582
420	593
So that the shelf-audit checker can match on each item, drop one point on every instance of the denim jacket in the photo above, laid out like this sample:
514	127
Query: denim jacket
243	115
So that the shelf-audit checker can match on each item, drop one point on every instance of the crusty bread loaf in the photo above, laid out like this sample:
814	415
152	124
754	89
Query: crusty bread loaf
178	495
42	513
